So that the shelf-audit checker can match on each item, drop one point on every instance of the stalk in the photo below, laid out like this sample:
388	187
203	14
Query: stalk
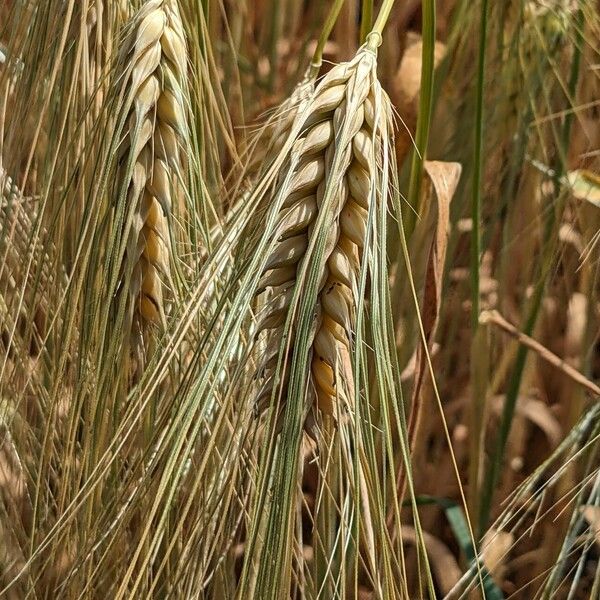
383	16
476	201
366	19
478	370
317	58
275	34
424	116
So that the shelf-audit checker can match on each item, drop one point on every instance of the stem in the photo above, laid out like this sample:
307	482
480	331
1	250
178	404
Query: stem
382	18
495	318
424	116
476	201
366	18
573	81
478	367
276	25
317	58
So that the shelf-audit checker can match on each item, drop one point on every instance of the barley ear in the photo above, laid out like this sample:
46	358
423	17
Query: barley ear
150	154
331	185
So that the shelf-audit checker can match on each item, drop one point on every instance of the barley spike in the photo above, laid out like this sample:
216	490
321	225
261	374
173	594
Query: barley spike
335	174
156	50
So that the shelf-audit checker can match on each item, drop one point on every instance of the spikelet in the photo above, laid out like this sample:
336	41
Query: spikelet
155	52
334	181
271	138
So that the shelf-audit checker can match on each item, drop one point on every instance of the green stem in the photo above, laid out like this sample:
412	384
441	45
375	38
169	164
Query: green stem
573	81
317	58
476	201
424	116
478	366
382	18
275	33
366	19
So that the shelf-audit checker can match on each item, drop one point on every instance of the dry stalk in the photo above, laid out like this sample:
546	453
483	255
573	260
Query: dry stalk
495	318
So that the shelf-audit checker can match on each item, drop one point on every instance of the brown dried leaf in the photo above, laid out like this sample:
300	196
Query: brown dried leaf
539	413
406	87
536	412
576	325
444	177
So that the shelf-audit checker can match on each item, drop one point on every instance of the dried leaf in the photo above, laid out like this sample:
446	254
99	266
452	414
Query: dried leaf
444	177
576	324
539	413
569	235
405	89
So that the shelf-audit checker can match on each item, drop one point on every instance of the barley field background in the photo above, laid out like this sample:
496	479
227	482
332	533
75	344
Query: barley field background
300	299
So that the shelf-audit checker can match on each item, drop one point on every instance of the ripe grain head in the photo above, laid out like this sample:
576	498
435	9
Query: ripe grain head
154	59
332	176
